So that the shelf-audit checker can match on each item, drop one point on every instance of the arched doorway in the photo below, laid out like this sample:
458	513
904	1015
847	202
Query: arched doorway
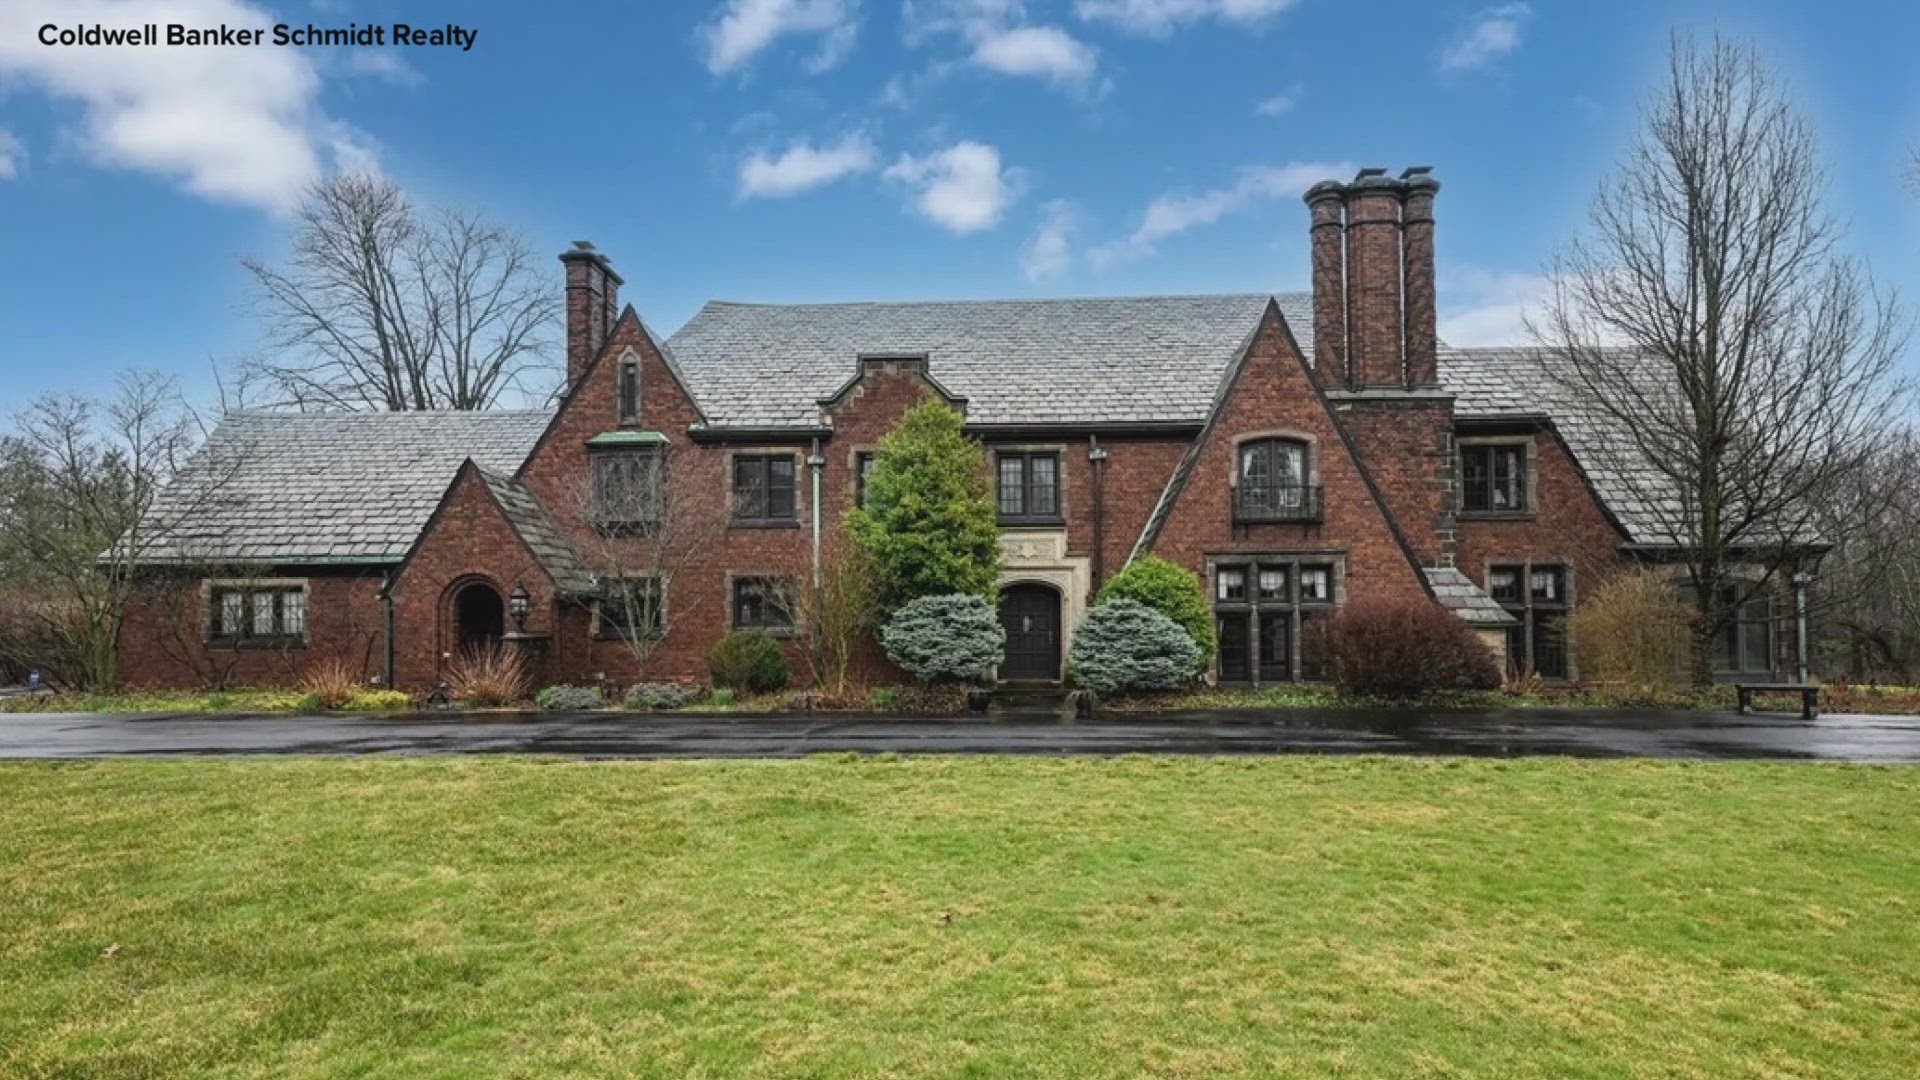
479	617
1030	614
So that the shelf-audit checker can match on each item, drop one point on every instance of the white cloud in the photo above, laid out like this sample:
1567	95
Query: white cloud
1044	51
1494	33
962	189
999	39
1050	252
386	66
1170	215
742	29
1157	18
1278	104
1485	307
13	155
236	125
803	167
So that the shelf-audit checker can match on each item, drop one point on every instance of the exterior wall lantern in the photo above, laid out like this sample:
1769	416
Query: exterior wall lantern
519	605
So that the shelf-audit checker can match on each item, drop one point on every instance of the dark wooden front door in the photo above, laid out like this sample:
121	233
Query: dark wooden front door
1030	614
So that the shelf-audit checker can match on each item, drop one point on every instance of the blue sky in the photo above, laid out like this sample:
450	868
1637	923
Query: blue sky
790	150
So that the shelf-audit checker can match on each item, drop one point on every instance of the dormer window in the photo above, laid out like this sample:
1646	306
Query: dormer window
629	390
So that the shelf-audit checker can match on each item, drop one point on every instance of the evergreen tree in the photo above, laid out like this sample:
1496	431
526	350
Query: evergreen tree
928	526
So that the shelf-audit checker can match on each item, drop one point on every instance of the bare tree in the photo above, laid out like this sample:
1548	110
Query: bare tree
380	308
651	524
1866	600
77	512
1709	321
835	613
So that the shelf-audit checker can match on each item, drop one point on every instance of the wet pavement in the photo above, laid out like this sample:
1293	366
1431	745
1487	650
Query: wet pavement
1495	733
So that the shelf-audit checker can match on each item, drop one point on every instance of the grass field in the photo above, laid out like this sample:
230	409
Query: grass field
981	917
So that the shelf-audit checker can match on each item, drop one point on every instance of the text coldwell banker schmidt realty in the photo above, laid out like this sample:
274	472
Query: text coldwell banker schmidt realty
152	34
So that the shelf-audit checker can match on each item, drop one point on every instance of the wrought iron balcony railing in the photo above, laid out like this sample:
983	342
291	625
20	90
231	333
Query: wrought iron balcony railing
1285	503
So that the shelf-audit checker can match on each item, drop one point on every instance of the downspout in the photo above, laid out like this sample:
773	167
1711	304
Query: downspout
1800	579
386	601
816	464
1098	457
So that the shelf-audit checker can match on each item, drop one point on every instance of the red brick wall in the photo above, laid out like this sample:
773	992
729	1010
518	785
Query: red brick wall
1274	393
163	641
468	540
1566	525
1406	444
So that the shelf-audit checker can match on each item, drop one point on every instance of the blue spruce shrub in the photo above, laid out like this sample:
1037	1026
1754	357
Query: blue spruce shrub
1126	645
942	638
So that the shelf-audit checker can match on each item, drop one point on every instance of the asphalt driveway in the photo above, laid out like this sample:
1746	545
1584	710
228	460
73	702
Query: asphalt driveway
1597	733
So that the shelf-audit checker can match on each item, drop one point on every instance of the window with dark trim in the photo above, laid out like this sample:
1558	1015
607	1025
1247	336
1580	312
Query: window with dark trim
629	390
1272	482
762	603
763	489
1029	486
1493	478
630	606
862	467
1535	594
629	489
1744	646
257	614
1265	612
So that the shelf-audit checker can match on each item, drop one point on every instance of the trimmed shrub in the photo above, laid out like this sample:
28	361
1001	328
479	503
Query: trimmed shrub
569	698
378	701
929	527
659	696
1406	647
333	681
1173	591
749	660
1126	645
944	638
488	678
1633	629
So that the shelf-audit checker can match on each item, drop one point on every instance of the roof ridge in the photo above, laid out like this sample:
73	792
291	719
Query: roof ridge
761	305
340	414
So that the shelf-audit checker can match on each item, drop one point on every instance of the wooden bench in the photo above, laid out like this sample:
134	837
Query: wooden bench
1809	696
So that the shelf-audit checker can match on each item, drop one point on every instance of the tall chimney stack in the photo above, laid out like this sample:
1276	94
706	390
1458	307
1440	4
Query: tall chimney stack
1417	189
1374	321
1327	203
593	303
1373	281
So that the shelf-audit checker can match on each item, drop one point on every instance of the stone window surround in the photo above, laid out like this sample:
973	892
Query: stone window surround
595	458
664	606
1310	442
207	587
854	453
785	580
801	487
1526	563
1253	559
1061	487
1529	479
628	359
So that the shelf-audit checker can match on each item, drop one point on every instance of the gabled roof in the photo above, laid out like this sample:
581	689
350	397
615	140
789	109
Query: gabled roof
1122	359
1517	384
327	487
540	533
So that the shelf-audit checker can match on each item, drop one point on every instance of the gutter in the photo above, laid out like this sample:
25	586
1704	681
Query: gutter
816	464
386	602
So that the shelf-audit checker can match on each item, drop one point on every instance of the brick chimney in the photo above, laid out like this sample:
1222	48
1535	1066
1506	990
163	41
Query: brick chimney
1327	203
1373	281
593	304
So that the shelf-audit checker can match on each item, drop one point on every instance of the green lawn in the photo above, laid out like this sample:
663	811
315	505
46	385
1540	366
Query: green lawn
987	917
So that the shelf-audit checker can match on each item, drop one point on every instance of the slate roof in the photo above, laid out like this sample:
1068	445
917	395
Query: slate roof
1513	383
327	487
541	533
1468	602
1148	358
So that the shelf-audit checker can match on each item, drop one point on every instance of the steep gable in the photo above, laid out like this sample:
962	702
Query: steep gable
1270	391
